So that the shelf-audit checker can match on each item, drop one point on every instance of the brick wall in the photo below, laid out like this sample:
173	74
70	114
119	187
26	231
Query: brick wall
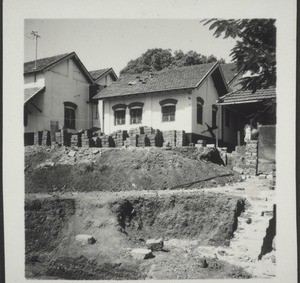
245	159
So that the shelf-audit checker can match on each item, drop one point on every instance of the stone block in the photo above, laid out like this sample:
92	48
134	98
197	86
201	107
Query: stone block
237	169
72	153
203	263
141	253
155	244
262	176
85	239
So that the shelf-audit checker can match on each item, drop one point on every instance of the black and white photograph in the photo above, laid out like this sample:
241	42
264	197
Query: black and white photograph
151	146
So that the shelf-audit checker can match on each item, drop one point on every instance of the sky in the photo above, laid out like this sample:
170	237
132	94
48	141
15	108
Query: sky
104	43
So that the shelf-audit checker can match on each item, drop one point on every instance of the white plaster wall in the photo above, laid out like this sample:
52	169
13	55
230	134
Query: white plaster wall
29	80
106	80
63	83
209	94
152	115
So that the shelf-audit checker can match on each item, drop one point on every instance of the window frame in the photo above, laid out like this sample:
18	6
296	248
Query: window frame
170	117
123	120
137	119
70	115
200	103
133	108
117	108
169	102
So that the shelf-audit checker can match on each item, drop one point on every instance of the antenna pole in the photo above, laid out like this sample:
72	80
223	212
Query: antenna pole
36	36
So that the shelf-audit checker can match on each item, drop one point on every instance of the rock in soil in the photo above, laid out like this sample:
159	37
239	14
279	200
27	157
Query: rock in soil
155	245
141	253
85	239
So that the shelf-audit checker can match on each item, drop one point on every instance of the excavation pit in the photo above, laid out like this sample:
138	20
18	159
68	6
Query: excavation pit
184	220
207	217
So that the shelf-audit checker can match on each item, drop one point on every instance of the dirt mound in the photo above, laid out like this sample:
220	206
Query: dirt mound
208	217
92	169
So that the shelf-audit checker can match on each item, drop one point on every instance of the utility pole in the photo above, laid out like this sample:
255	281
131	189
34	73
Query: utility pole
35	35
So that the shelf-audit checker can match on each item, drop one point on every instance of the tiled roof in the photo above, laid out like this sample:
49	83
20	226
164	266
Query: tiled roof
42	63
31	92
248	96
98	73
229	72
167	79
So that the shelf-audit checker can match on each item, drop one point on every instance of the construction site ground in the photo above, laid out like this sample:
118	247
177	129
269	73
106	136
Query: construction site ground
222	220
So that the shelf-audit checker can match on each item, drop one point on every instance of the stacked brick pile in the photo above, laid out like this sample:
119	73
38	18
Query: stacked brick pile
119	137
46	139
58	138
131	141
150	136
95	142
141	140
85	142
74	140
135	137
38	138
181	139
169	138
148	130
107	141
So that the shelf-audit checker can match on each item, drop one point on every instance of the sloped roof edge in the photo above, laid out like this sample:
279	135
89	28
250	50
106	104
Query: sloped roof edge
108	71
60	60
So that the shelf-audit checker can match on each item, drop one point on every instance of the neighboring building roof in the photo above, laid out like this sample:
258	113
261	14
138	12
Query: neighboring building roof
47	63
98	74
31	92
229	72
41	64
247	96
167	79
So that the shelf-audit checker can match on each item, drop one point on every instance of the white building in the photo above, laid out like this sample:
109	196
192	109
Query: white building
173	99
58	94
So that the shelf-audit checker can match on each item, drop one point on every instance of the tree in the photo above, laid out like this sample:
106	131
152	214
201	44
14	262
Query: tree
255	50
154	59
157	59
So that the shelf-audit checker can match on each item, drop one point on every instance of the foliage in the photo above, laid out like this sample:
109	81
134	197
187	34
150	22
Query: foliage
157	59
255	49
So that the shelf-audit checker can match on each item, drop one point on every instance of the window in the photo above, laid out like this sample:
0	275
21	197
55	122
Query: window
70	109
168	109
227	118
119	113
214	116
136	115
168	113
200	103
119	116
136	112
